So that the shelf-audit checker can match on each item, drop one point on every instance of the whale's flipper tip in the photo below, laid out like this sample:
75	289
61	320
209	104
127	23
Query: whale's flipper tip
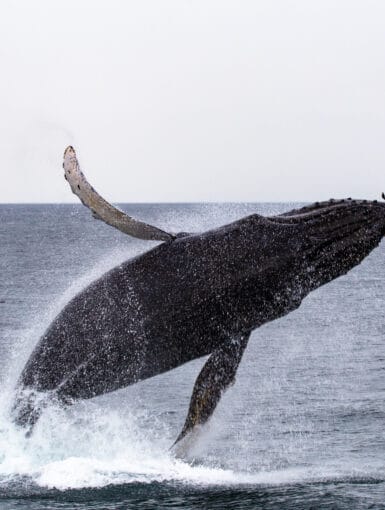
183	446
70	151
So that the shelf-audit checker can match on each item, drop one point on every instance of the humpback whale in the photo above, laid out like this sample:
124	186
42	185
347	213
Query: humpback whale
192	295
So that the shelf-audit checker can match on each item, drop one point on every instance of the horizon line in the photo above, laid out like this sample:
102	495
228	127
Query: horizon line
165	203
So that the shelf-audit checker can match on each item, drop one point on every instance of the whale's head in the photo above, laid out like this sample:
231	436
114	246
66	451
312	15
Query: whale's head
334	236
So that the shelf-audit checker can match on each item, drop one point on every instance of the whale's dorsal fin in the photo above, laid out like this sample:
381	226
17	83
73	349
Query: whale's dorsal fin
103	210
217	374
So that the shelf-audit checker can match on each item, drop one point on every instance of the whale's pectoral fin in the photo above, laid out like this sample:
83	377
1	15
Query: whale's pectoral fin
103	210
217	374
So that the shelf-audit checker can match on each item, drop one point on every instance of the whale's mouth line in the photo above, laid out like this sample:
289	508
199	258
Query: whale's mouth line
338	243
340	232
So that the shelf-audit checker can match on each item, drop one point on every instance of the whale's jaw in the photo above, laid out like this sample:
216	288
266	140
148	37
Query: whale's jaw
332	237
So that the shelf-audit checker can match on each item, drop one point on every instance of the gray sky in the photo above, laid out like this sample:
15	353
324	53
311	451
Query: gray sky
193	100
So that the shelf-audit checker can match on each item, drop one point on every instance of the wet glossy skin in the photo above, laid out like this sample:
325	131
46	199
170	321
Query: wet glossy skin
190	296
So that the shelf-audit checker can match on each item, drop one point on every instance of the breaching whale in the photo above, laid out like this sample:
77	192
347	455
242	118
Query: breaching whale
192	295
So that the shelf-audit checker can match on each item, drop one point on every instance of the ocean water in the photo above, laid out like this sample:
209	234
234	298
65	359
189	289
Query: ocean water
303	427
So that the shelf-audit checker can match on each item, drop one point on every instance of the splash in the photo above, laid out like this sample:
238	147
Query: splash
87	446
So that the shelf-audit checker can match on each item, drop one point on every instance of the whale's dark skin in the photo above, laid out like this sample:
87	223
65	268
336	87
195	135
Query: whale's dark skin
195	295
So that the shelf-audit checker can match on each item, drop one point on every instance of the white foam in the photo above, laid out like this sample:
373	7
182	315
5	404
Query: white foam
87	447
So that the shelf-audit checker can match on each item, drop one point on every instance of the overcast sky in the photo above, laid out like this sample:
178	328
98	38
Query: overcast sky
193	100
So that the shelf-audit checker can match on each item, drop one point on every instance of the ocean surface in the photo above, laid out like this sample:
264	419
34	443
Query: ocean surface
303	427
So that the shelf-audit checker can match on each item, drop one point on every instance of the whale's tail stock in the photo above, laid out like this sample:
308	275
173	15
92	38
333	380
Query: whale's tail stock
27	408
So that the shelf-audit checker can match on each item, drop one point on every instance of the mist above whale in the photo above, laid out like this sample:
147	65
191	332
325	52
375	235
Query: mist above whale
190	296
